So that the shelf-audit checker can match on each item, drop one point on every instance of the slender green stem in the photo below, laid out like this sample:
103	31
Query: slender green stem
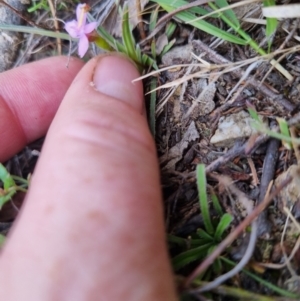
35	30
201	184
152	120
267	284
238	293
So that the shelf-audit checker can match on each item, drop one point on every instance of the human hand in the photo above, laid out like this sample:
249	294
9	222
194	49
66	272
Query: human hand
92	224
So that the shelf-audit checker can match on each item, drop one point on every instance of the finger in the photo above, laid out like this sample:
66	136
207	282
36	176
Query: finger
93	220
29	98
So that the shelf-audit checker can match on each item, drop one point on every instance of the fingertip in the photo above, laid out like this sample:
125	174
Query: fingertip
114	75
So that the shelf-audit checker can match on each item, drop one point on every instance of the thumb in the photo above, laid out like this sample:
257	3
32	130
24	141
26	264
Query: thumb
92	226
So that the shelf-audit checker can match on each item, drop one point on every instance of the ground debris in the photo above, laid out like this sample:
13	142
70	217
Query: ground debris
175	154
289	196
10	42
233	127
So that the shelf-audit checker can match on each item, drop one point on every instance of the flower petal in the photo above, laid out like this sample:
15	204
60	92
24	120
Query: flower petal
81	14
83	45
88	28
79	8
72	29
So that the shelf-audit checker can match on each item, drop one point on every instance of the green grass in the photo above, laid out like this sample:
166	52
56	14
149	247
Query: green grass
228	16
204	241
10	188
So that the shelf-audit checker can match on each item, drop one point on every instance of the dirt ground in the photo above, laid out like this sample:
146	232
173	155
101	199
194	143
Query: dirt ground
202	117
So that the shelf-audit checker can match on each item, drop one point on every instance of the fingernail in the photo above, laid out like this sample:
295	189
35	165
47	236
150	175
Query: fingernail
113	76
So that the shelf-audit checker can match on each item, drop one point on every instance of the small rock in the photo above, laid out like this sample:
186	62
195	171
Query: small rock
10	41
290	194
231	128
179	55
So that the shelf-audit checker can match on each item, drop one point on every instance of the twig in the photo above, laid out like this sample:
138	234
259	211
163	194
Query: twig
237	150
140	25
56	26
244	78
235	233
268	172
216	58
253	171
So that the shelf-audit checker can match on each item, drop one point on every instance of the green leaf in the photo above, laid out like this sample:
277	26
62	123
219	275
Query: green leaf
223	225
186	242
201	185
127	36
217	266
6	178
189	256
116	45
216	203
102	43
153	49
168	47
284	129
271	23
203	234
179	3
229	13
253	113
170	28
153	19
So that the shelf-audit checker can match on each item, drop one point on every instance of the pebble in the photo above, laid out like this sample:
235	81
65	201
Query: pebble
231	128
10	41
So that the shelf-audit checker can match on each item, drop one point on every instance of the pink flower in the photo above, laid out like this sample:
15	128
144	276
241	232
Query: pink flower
80	29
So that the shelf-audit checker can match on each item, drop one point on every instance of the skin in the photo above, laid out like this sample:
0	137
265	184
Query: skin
92	225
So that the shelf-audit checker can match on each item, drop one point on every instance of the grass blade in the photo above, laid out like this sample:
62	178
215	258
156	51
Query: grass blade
203	234
215	202
187	16
229	13
267	284
6	178
201	184
271	24
178	3
223	225
189	256
35	30
152	119
284	130
127	36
